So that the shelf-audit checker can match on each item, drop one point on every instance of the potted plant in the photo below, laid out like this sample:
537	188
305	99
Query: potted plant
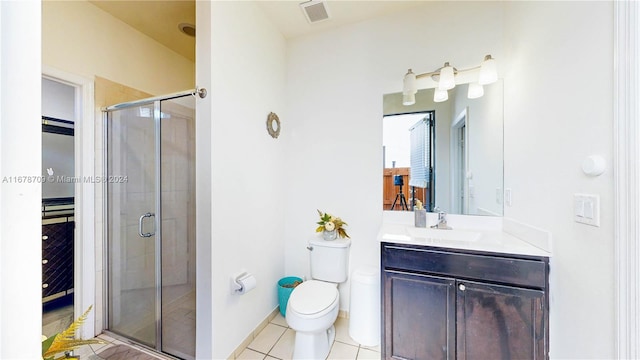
331	227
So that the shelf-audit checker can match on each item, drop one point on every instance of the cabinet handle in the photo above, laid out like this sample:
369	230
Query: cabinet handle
44	261
462	287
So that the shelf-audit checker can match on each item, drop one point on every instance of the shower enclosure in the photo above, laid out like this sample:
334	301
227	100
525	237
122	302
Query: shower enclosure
150	217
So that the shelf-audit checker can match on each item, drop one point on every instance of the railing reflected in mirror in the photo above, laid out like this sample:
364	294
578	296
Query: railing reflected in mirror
457	158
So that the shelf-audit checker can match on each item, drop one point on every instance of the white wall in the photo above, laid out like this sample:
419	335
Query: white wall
248	168
20	151
558	110
80	38
335	85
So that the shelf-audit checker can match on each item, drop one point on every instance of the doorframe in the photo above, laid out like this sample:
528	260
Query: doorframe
461	120
626	113
84	271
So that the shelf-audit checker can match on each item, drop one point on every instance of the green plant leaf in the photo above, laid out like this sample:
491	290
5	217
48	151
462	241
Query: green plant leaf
65	341
46	344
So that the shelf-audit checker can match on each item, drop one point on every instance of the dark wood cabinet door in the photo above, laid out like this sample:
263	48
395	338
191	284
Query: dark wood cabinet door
419	313
499	322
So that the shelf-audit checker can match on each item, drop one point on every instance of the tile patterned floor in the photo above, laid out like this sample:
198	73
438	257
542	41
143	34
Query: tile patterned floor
276	340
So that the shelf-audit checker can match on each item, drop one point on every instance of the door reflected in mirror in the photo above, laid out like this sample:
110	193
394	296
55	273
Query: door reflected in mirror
457	148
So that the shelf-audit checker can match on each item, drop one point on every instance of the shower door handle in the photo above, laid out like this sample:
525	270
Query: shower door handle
140	221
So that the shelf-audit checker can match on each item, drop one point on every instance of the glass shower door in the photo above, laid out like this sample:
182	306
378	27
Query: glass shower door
133	228
151	224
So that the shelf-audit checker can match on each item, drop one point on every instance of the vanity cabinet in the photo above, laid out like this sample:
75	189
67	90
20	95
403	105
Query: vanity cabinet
456	304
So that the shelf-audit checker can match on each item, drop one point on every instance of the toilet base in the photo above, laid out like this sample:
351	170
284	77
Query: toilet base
313	345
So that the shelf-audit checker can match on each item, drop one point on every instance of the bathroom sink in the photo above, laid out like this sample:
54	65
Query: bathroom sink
441	234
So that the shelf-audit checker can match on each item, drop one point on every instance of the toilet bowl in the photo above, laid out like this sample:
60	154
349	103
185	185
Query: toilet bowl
311	311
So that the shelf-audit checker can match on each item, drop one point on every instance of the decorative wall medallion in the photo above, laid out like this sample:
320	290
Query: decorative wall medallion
273	125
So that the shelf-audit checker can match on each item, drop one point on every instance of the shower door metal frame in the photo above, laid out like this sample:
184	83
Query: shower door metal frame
202	93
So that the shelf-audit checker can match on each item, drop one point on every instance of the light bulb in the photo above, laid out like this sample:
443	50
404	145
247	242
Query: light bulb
440	95
488	71
410	86
408	99
447	79
475	91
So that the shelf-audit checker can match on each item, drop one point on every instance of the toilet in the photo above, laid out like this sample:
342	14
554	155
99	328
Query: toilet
313	305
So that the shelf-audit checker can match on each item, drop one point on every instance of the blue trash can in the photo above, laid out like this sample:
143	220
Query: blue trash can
285	287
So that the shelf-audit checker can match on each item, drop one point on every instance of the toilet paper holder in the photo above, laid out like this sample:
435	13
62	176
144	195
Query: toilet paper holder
242	282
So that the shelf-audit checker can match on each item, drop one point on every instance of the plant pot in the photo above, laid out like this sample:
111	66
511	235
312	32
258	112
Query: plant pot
330	235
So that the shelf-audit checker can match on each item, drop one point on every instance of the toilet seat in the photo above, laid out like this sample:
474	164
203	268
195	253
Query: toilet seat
313	298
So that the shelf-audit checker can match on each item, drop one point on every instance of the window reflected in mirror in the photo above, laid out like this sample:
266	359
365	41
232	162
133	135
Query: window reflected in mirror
408	141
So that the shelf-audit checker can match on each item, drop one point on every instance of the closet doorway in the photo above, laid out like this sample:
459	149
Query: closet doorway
68	201
58	205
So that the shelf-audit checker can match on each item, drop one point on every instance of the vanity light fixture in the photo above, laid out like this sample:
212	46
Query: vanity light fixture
409	89
445	78
488	72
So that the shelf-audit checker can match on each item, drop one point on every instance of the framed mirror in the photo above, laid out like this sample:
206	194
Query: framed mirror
463	151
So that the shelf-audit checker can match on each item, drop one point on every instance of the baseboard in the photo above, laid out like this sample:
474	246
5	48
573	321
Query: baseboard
243	345
344	314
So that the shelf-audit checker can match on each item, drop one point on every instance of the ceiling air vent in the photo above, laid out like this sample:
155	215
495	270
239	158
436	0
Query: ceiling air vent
315	11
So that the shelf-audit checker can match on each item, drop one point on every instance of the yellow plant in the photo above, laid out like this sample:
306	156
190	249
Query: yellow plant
66	340
329	222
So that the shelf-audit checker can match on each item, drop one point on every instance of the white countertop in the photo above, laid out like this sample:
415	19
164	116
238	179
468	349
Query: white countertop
468	233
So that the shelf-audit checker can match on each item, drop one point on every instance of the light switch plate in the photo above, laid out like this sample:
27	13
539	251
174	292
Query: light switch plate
586	209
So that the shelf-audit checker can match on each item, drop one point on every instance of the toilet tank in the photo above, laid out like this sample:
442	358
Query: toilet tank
329	259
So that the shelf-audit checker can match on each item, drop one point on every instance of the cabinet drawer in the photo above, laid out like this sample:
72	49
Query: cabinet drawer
59	234
498	269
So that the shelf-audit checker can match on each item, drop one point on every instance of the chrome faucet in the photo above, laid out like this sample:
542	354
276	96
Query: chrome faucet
442	220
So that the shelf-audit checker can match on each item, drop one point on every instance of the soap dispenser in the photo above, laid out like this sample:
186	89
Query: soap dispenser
419	215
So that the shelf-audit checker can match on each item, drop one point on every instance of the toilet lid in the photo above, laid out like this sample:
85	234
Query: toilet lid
312	297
